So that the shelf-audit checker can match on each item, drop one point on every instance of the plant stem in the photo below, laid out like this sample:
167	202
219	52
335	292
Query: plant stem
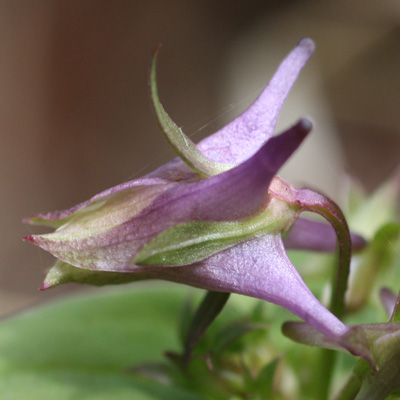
332	213
353	384
350	389
323	373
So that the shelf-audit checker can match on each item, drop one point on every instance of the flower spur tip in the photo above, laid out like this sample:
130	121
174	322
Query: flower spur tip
307	43
305	125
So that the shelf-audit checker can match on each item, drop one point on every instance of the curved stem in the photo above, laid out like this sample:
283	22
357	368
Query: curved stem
328	209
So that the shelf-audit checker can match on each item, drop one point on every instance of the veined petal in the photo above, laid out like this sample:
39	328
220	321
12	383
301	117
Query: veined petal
258	268
241	138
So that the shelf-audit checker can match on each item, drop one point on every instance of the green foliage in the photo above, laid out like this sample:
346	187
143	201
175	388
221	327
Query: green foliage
82	347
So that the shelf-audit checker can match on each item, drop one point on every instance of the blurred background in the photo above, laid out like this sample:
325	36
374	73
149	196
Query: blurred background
76	118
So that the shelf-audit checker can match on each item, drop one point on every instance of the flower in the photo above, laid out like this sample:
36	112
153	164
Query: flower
214	218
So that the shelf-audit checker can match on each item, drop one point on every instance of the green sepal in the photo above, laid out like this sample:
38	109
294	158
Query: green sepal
181	144
386	381
62	272
190	242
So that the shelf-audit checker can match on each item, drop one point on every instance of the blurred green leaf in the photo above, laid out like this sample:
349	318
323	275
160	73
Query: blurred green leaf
265	380
210	307
379	256
82	347
379	209
230	333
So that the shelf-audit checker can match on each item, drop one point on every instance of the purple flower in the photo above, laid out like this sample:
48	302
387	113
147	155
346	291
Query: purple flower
214	218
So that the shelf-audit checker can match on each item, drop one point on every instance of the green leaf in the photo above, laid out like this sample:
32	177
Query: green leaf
182	145
378	256
190	242
265	379
230	333
82	348
210	307
379	209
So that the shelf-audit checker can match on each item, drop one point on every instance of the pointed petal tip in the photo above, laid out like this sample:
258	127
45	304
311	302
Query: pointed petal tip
302	128
304	125
30	239
33	219
279	148
45	286
307	43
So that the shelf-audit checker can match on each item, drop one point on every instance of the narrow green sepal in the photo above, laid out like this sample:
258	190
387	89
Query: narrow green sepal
181	144
63	272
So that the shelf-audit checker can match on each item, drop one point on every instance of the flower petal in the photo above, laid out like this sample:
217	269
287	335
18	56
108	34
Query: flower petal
238	193
306	234
389	301
241	138
395	317
257	268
